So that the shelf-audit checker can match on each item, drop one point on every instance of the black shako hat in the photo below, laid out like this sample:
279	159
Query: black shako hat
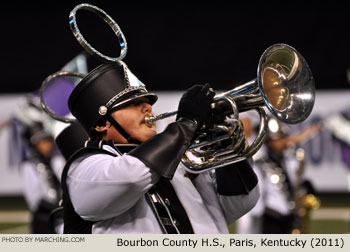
71	139
103	90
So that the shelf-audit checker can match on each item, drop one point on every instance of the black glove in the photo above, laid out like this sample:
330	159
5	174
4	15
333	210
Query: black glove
195	103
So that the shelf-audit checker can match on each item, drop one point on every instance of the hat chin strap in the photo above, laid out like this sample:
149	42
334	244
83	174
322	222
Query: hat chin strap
121	130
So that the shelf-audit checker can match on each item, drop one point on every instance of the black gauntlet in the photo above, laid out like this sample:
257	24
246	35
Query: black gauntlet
163	152
236	179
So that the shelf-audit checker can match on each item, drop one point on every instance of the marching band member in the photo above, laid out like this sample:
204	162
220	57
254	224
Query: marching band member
280	181
129	179
41	166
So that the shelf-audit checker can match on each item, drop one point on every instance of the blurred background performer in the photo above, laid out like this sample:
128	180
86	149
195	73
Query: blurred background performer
339	126
286	197
70	136
40	164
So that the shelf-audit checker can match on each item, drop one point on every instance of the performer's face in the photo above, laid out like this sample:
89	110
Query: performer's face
278	145
132	119
44	147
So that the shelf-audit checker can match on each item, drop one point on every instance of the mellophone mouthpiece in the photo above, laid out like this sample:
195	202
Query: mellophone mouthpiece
151	119
221	107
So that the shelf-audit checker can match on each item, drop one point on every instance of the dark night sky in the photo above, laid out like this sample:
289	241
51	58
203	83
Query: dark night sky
171	47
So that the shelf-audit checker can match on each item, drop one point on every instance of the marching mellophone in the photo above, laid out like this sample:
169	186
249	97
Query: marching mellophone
284	84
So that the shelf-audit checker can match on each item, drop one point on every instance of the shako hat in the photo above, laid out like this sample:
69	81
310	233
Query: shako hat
105	89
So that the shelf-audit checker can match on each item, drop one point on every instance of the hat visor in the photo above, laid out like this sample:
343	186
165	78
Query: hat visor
151	97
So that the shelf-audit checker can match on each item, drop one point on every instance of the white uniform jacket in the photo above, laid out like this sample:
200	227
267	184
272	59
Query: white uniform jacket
36	186
111	192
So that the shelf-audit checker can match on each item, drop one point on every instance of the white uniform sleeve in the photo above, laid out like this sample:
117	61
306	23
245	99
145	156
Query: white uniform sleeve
102	186
32	185
58	163
236	206
259	208
232	207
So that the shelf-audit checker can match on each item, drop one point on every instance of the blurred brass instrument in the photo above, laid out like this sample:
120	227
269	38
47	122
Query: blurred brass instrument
304	201
284	84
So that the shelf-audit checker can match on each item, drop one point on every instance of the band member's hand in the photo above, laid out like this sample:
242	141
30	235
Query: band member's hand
195	103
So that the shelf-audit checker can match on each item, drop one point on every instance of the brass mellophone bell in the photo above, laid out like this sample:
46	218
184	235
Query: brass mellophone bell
284	84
